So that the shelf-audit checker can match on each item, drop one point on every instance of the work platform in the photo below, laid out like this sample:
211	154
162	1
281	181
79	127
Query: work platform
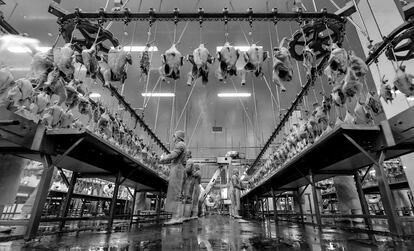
77	150
342	152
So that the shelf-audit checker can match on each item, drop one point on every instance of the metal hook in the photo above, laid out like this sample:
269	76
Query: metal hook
176	12
274	12
127	17
102	16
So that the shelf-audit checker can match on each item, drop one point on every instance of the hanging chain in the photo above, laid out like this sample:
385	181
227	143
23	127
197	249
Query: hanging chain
251	25
200	20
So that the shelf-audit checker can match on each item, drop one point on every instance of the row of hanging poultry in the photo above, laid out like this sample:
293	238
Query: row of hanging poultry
50	95
346	74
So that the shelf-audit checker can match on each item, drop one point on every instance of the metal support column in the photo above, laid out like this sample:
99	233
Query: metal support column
263	212
113	202
256	208
40	199
363	201
66	204
159	207
134	198
267	206
386	196
299	200
315	200
274	205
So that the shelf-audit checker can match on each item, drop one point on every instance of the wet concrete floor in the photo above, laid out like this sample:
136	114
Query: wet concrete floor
213	233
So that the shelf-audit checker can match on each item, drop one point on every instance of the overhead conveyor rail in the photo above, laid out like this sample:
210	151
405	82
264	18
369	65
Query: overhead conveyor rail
126	15
80	151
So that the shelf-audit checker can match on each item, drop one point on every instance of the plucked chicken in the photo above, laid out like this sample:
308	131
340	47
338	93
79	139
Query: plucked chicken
199	59
227	56
172	60
253	59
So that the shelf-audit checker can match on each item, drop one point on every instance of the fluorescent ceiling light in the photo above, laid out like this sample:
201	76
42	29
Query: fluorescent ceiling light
240	48
410	98
154	94
94	95
23	49
232	95
139	48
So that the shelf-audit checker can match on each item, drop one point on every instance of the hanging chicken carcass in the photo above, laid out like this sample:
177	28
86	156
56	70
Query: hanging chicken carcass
172	60
64	59
337	65
21	93
6	82
90	61
144	62
53	116
66	120
105	70
403	81
309	60
338	97
352	84
199	59
282	66
357	65
118	58
253	59
362	115
40	102
227	57
42	64
55	85
386	90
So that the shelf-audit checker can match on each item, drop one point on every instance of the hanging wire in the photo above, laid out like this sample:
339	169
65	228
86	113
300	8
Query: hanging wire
172	110
152	53
362	20
245	111
194	131
73	32
255	105
152	91
375	19
57	40
182	33
185	106
241	27
156	113
305	99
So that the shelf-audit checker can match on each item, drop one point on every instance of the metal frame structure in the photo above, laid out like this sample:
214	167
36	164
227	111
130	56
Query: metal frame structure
200	16
55	9
359	147
77	150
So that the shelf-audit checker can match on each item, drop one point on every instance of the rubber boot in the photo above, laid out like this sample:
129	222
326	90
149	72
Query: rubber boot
187	212
176	218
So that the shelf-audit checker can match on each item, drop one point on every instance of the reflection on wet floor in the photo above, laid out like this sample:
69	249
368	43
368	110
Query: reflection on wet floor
214	233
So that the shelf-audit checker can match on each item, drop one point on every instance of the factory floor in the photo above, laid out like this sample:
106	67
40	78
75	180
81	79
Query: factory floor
213	232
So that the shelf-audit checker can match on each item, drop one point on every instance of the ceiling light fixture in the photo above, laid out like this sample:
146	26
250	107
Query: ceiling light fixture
232	95
95	95
240	48
154	94
23	49
139	48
